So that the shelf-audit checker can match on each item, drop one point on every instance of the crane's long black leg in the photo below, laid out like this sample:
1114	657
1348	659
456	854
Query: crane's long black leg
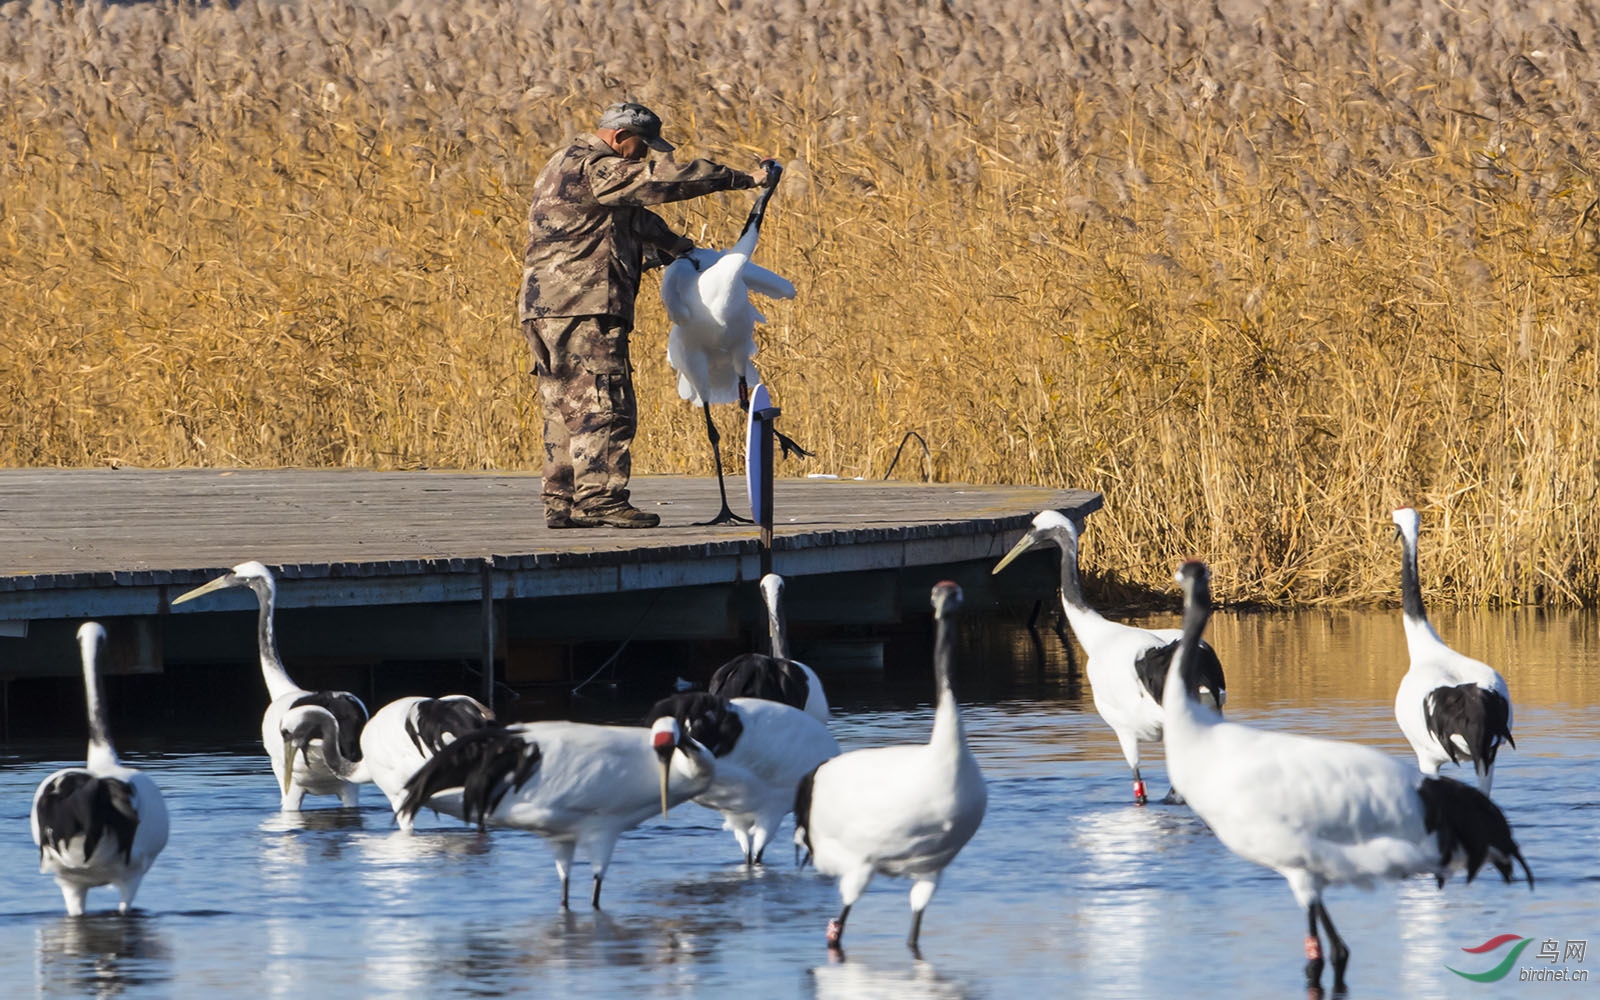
726	514
564	892
1341	954
836	928
594	900
788	447
1313	948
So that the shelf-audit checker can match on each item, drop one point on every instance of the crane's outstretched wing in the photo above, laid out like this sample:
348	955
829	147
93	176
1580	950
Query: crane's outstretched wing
769	283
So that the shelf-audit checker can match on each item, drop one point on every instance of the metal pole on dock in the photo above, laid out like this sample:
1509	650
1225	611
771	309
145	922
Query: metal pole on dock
486	580
764	515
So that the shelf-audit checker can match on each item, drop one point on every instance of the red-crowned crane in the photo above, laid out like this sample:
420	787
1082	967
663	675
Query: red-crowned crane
1450	707
762	749
707	296
1127	665
404	734
903	811
1319	812
101	824
775	677
313	738
572	783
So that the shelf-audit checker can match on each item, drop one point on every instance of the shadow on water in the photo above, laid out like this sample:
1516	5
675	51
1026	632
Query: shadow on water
101	955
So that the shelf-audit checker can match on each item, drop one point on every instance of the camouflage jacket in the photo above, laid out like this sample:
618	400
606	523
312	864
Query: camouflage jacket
588	229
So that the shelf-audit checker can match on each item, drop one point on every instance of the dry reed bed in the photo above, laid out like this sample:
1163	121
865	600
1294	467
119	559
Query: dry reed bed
1258	278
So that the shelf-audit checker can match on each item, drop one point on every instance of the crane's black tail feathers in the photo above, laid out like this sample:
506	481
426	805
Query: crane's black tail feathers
485	764
1479	717
1465	819
1206	672
78	803
757	675
706	718
434	724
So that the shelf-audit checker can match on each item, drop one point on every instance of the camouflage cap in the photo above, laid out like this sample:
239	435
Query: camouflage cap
639	120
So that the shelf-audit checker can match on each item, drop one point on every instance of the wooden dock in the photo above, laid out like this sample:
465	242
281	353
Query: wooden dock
412	565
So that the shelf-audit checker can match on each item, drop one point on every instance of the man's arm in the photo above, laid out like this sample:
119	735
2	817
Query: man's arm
618	181
661	245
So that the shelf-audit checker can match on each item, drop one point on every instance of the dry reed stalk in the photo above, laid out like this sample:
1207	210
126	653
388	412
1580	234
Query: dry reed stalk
1257	279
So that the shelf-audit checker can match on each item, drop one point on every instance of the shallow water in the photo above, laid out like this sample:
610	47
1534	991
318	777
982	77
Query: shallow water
1067	886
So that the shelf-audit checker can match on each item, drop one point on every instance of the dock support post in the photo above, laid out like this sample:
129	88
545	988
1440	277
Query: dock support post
486	581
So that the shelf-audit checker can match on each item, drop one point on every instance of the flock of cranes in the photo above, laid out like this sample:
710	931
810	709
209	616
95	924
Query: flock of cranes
1319	812
757	747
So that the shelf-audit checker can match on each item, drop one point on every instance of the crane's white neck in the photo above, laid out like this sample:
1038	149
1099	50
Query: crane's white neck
1410	583
777	624
310	722
1082	617
101	756
691	770
948	733
272	669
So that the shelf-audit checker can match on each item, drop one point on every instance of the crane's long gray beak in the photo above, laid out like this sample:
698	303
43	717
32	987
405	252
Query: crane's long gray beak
289	751
1023	544
219	583
666	768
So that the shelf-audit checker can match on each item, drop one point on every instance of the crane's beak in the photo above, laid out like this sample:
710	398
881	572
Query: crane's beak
1023	544
219	583
666	768
665	745
289	750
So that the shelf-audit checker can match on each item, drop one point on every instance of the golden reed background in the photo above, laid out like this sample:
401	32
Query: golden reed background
1257	276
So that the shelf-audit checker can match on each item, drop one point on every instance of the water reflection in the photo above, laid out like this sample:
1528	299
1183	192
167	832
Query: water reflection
294	840
498	958
397	866
1421	908
316	820
103	955
844	978
1068	887
1119	854
398	956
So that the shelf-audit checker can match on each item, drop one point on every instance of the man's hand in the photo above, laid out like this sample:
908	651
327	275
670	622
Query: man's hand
770	170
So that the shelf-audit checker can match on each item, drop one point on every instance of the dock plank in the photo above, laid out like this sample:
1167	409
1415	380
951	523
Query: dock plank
70	522
119	544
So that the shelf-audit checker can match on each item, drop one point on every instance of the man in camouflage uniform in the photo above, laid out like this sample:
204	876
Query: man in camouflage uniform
590	238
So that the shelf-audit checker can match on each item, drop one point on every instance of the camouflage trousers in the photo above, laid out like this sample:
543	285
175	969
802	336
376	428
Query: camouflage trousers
590	414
